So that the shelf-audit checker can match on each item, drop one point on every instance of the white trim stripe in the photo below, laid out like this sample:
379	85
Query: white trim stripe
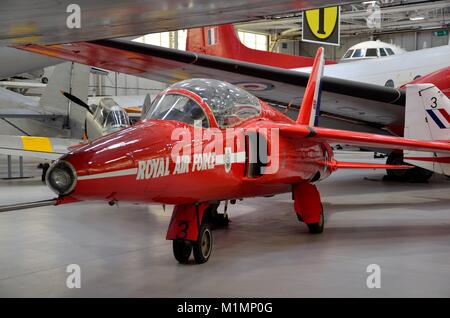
117	173
236	157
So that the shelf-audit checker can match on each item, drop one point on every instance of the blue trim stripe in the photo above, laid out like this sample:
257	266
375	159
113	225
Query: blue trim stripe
319	96
435	118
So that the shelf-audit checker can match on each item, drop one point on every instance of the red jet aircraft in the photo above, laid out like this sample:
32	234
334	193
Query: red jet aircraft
245	149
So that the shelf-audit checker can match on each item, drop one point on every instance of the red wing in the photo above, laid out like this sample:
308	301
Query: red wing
334	136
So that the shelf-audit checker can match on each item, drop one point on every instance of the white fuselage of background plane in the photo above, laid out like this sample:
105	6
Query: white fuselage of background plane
400	69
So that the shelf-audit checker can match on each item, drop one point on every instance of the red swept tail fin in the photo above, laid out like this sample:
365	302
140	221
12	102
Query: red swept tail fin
310	108
223	41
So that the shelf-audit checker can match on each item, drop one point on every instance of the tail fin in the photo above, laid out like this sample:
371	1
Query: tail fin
74	79
309	110
427	117
223	41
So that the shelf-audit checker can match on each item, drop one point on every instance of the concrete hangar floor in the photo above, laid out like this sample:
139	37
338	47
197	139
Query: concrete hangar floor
265	252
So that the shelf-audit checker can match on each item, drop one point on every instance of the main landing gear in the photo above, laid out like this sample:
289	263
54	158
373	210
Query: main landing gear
191	231
308	207
191	226
415	175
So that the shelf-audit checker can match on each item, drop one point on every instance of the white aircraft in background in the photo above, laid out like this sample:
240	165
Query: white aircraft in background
395	69
370	50
52	115
23	65
132	104
391	71
56	117
427	117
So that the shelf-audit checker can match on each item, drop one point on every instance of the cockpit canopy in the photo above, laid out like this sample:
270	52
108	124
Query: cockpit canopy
110	115
229	105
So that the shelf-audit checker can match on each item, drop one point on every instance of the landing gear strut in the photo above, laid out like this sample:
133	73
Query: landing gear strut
219	220
416	174
191	231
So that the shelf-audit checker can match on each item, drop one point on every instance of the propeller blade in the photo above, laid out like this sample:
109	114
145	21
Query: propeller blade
76	100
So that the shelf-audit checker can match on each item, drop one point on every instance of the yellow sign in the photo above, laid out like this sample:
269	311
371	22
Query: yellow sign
322	25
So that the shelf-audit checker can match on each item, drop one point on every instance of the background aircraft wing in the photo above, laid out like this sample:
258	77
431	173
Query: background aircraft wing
11	84
38	147
374	105
26	113
50	21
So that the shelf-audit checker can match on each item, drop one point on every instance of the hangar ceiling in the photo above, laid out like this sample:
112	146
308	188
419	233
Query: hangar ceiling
395	16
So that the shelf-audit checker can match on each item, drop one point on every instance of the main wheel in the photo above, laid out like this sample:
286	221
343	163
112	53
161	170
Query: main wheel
416	174
182	250
419	175
317	228
202	248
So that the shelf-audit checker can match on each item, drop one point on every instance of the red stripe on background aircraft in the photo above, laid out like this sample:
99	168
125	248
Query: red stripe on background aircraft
203	142
223	41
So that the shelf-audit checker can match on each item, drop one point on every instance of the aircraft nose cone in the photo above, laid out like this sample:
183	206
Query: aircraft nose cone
61	177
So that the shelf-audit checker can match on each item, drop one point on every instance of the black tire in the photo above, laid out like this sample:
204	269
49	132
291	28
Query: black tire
396	158
317	228
182	250
419	175
202	248
416	174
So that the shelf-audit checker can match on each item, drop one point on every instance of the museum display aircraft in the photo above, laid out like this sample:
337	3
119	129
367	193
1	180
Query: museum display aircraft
427	118
51	115
355	104
203	142
48	127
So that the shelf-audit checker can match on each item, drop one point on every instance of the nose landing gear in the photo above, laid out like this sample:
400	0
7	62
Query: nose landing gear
191	231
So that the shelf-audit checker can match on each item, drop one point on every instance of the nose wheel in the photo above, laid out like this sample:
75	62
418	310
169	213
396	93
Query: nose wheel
191	231
182	250
202	248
